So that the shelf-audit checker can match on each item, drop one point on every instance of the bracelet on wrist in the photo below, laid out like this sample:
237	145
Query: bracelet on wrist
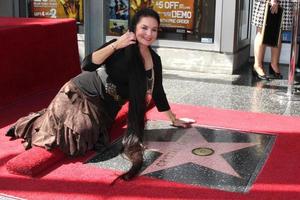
113	47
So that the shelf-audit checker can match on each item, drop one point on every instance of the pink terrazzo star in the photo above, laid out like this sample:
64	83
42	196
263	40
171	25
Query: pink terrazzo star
180	152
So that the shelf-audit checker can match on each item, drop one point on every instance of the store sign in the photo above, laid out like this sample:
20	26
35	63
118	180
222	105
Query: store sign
57	9
175	14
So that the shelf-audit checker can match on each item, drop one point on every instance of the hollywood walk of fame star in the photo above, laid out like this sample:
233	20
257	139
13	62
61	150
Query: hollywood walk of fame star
181	152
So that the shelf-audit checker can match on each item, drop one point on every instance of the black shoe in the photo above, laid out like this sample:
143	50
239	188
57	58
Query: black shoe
274	74
11	132
261	77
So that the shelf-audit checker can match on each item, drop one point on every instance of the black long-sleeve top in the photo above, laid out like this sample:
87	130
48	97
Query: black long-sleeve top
117	68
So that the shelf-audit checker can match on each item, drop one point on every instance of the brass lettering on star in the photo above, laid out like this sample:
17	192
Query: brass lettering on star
203	151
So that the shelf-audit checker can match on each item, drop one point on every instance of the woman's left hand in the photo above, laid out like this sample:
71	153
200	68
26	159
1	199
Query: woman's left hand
183	122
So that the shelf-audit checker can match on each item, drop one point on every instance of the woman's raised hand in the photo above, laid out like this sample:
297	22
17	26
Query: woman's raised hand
125	40
99	56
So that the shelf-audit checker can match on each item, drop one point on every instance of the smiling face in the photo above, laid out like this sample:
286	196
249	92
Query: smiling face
146	31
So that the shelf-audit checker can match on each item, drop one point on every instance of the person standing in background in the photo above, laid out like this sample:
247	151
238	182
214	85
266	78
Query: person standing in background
259	48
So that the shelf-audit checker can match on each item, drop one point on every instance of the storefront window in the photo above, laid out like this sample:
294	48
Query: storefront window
56	9
184	20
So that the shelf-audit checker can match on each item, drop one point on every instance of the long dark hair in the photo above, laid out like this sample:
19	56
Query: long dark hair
133	138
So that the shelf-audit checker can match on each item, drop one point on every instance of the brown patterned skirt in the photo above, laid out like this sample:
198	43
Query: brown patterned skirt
73	122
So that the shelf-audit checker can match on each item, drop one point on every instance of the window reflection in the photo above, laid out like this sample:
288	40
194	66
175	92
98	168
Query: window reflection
187	20
205	20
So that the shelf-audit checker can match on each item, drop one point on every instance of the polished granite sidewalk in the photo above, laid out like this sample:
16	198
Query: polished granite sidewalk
238	92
